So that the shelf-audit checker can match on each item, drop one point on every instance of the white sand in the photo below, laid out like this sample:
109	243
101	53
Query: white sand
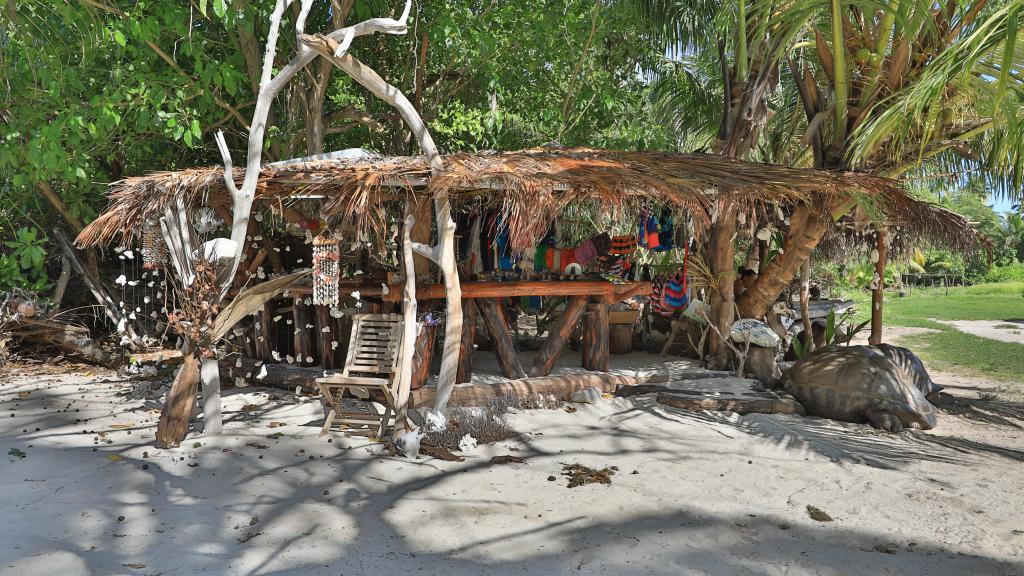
712	494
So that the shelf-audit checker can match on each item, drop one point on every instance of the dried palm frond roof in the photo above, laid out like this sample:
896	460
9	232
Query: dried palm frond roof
909	222
530	187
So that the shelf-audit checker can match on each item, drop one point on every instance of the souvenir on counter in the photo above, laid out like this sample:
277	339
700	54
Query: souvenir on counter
326	255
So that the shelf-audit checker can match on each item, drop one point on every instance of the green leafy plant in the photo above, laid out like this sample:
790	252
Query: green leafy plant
23	266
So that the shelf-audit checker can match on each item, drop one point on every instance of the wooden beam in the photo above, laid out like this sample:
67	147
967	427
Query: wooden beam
504	349
465	371
615	292
558	335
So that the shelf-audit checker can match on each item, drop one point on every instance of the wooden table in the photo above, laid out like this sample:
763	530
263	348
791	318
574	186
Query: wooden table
588	299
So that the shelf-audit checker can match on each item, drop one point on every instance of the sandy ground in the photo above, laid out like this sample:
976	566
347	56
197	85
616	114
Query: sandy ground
694	493
1003	330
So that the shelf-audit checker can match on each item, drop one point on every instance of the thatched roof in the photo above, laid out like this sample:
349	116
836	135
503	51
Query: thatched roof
531	187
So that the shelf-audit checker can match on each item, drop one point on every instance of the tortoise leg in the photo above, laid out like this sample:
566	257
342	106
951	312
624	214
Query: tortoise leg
884	420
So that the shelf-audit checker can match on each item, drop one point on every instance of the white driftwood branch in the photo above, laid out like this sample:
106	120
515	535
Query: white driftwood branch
408	324
427	251
335	49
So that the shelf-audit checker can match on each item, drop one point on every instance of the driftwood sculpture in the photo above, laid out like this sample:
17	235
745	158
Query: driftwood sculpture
883	386
179	235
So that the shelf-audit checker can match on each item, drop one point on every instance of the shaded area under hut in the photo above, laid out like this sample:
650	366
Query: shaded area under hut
555	248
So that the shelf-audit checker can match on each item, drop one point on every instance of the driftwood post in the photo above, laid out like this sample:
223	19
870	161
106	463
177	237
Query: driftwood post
182	394
408	322
878	288
443	253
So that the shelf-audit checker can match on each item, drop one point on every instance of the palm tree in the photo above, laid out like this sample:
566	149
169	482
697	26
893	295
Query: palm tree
886	85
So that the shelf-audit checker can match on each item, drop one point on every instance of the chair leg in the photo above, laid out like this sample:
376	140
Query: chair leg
327	423
384	421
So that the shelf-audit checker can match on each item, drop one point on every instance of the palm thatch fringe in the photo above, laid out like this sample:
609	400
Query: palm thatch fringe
529	187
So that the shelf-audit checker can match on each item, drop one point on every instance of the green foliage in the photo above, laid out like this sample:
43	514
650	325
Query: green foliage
1008	273
22	264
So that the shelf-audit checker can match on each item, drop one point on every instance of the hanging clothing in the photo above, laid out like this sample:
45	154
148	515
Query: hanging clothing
602	243
622	245
586	252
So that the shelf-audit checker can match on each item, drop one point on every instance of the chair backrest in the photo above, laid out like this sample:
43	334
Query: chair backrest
375	344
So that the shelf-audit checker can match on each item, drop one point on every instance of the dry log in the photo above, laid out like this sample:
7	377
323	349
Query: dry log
561	386
284	376
769	403
73	340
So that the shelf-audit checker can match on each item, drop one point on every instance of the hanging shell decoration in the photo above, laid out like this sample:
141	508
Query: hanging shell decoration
326	255
154	252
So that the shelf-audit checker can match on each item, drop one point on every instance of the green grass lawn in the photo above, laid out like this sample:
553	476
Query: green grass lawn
949	349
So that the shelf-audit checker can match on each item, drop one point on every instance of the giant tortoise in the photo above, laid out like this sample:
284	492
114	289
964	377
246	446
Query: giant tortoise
885	386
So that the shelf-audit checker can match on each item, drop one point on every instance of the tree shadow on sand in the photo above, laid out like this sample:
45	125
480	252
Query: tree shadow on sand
340	508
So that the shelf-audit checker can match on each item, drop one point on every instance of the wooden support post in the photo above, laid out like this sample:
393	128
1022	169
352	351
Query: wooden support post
595	337
805	306
303	347
209	373
423	356
323	339
265	345
465	372
877	293
420	232
558	335
504	349
247	340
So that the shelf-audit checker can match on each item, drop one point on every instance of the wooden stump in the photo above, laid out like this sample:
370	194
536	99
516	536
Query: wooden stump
595	337
620	338
558	335
177	409
465	369
504	349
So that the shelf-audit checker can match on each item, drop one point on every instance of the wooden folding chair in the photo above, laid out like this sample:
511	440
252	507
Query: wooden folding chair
371	364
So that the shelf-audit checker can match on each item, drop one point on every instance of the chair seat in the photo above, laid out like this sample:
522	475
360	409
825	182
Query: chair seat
339	380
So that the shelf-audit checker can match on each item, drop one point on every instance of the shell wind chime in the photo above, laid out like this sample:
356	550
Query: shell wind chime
326	255
154	252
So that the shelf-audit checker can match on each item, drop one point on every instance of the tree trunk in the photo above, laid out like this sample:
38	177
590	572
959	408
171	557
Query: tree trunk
721	260
805	305
181	397
807	227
